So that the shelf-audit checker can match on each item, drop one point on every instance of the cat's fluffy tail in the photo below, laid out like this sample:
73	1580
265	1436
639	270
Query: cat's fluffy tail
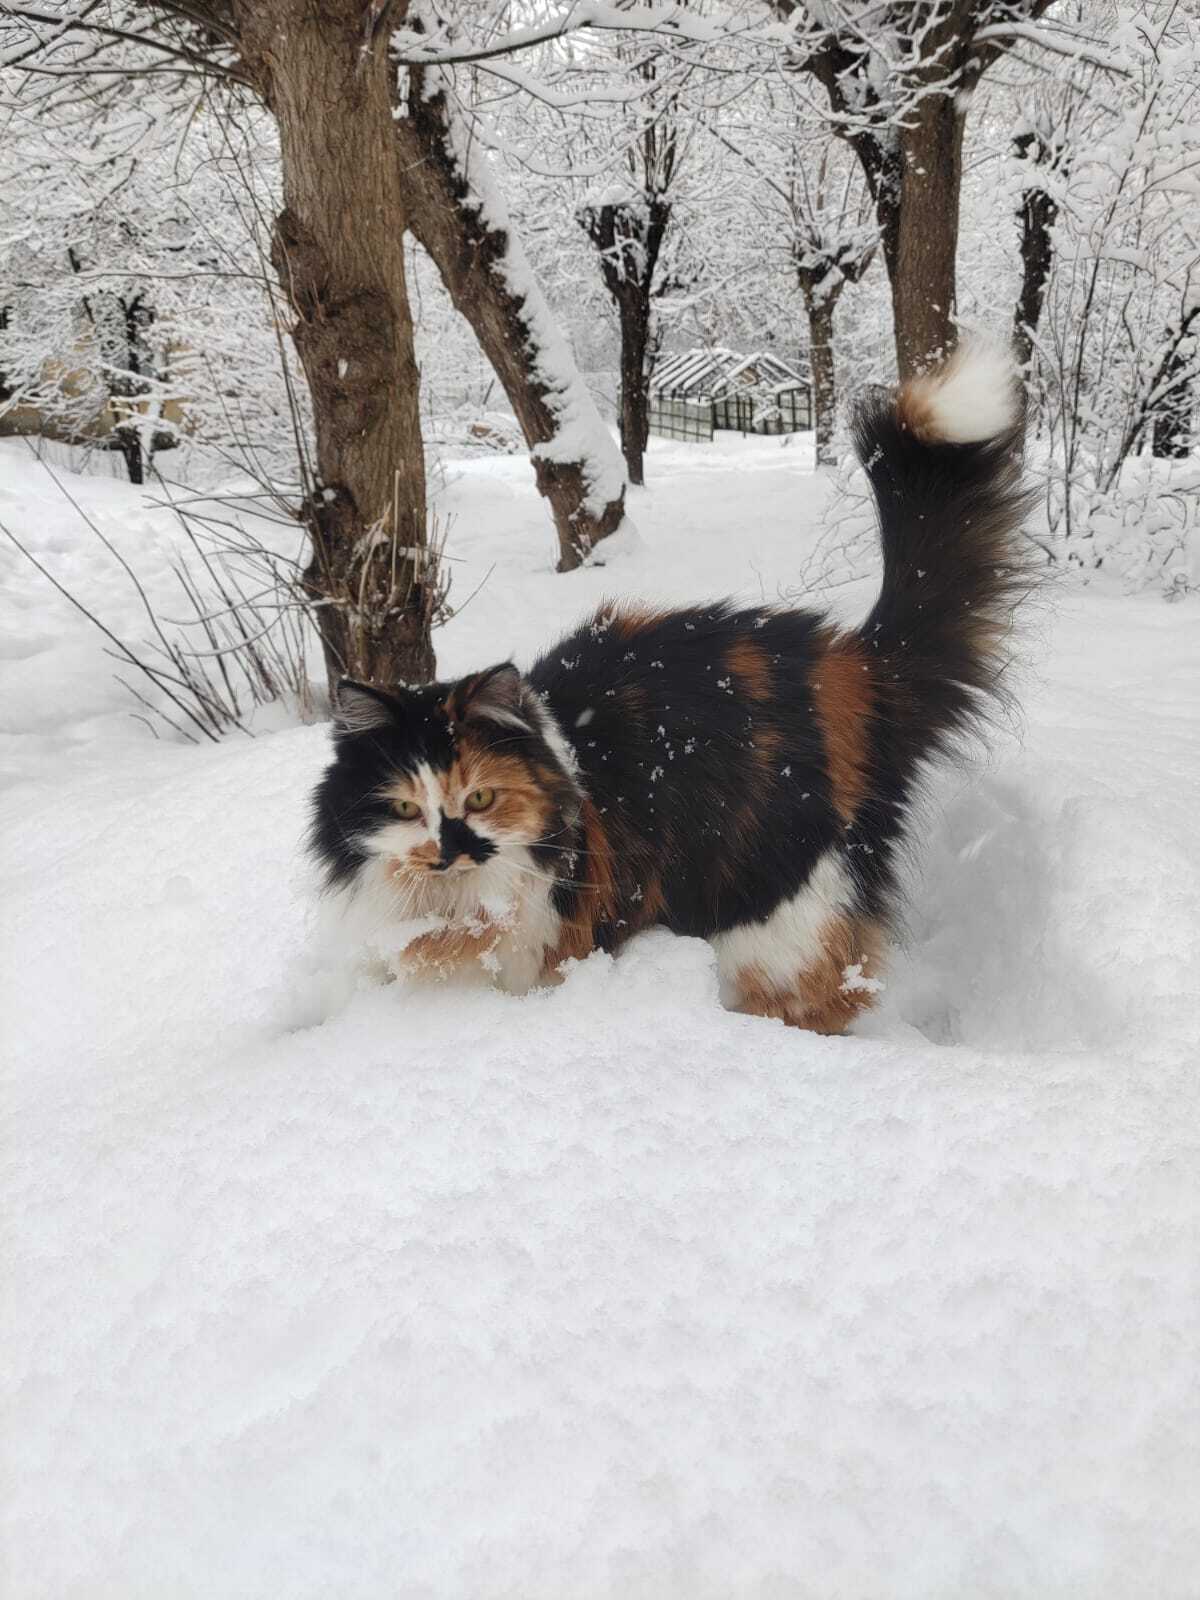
943	457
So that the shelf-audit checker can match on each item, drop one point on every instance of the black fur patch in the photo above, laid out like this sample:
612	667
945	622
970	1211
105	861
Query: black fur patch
458	838
721	799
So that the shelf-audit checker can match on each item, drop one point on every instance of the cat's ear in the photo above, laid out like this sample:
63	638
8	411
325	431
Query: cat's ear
498	695
358	708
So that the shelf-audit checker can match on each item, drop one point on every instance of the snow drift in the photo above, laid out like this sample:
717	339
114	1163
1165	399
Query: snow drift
604	1291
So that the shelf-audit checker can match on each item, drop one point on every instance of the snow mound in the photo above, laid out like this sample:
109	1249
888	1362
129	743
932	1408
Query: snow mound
605	1291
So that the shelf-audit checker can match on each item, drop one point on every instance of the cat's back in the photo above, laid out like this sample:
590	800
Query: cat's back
695	662
681	694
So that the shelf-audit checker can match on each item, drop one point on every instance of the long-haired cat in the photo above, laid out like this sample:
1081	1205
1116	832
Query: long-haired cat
741	775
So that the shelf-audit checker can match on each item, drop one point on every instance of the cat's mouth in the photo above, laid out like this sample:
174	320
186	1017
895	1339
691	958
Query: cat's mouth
441	869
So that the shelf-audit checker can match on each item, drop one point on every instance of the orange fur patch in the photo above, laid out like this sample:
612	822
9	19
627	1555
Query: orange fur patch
751	666
914	408
843	697
652	904
444	951
597	901
455	703
521	807
632	620
831	991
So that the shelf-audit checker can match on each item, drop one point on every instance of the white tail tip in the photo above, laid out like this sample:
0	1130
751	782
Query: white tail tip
971	397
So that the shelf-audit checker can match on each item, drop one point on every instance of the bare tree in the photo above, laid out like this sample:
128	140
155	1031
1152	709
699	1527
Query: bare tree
898	79
817	203
355	176
1037	215
1117	338
831	247
628	222
1175	387
1042	148
339	253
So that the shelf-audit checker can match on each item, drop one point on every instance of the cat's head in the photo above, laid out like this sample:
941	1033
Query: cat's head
437	781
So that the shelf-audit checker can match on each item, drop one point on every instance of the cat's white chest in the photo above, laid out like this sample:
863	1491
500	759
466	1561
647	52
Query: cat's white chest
531	929
504	912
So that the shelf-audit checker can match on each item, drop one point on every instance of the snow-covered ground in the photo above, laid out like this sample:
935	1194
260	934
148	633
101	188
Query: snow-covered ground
605	1291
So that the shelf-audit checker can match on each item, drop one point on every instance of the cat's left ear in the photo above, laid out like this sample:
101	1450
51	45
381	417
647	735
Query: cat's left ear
498	695
360	707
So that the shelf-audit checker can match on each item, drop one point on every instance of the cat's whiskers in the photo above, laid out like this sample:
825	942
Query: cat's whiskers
547	877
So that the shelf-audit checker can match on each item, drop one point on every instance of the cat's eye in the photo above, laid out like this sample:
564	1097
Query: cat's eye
407	810
479	799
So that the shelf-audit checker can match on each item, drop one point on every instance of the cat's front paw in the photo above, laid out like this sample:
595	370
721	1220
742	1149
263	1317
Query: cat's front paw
456	950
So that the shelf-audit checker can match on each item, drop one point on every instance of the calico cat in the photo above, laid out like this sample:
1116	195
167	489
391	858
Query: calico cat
741	775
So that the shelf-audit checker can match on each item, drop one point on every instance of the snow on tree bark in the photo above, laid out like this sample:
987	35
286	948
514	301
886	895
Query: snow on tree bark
457	213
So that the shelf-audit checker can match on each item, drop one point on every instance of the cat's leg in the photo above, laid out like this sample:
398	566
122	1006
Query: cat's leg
813	963
824	993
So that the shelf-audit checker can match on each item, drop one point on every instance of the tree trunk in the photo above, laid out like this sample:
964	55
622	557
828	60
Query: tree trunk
821	292
924	234
914	175
915	185
339	252
1038	214
457	217
629	239
1171	437
634	311
125	352
130	445
913	167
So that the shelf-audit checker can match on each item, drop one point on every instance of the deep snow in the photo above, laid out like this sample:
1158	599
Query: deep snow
605	1291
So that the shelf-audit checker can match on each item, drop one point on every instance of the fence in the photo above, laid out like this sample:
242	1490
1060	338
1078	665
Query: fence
689	420
789	412
693	421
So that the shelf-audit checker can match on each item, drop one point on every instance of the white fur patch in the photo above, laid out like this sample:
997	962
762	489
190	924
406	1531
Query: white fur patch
972	397
534	928
554	736
790	938
506	719
429	785
377	916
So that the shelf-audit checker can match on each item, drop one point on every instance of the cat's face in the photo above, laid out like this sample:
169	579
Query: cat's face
437	782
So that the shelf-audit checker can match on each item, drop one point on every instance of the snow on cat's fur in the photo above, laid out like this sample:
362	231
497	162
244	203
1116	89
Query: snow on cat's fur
744	776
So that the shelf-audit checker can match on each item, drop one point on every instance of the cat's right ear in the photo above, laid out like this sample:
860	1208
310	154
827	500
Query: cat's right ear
358	708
